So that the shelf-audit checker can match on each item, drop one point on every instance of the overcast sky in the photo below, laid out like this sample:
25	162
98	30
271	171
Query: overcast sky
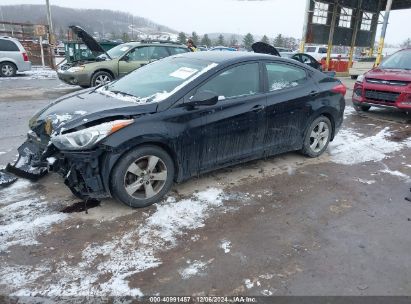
269	17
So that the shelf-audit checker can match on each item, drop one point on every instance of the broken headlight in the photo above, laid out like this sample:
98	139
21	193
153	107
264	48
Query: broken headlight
87	138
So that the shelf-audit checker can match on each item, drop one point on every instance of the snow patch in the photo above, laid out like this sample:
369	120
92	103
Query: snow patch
226	246
364	181
34	73
194	269
349	148
248	283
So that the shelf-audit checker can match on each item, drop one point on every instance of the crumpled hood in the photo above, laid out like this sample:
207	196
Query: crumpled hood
389	74
84	107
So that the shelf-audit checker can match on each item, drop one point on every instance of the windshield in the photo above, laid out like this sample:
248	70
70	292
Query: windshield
158	80
400	60
118	50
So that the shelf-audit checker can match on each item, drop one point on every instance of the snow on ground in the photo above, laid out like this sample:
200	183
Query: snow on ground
21	222
226	246
194	269
105	267
350	147
36	72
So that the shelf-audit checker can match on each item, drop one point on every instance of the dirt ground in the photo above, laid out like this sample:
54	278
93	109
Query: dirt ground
287	225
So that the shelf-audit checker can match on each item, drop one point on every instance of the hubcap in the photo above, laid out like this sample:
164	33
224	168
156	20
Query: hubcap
102	79
145	177
7	70
319	136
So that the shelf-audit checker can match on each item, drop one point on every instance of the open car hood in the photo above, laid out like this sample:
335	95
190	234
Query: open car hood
264	48
88	40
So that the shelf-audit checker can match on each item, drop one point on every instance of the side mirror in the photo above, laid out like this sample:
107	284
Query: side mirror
125	58
203	98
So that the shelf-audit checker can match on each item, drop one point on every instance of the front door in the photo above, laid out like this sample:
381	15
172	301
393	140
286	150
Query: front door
140	56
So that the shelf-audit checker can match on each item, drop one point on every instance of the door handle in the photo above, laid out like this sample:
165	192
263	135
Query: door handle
258	108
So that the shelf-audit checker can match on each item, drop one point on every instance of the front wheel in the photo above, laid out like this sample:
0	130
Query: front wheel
100	78
142	176
317	137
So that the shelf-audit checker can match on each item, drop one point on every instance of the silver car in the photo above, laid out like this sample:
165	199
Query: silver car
13	57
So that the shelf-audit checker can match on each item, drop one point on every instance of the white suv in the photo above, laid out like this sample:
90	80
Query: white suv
13	57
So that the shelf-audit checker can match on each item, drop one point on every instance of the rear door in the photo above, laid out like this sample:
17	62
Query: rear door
290	91
234	127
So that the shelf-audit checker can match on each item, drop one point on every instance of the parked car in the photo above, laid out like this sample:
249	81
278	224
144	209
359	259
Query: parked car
303	58
179	117
13	57
116	62
60	50
361	66
388	85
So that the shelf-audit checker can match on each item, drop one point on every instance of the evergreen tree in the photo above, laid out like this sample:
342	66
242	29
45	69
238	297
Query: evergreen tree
220	40
265	39
182	38
206	40
279	41
195	38
406	43
248	41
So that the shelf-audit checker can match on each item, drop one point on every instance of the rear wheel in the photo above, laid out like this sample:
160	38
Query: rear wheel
317	137
100	78
142	176
7	69
84	86
360	108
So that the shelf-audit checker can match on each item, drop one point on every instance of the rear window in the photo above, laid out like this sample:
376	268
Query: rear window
8	46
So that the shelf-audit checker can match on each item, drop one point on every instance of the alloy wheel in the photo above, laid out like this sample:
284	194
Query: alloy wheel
7	70
145	177
102	79
319	136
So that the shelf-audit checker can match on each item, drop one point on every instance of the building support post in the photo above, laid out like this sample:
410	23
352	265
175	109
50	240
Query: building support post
305	26
383	32
331	35
374	29
354	33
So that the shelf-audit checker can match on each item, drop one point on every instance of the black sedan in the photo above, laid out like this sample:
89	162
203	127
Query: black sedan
303	58
179	117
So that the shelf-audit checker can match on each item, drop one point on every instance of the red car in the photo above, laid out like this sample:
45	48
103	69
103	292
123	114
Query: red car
388	85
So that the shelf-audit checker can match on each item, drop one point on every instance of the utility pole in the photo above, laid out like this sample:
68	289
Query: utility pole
305	25
49	21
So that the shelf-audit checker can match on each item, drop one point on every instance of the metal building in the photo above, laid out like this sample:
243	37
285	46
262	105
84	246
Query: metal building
348	23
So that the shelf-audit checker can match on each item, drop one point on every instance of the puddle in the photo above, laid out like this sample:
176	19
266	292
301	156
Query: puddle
81	206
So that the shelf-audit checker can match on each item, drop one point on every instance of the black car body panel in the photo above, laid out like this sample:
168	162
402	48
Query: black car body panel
198	138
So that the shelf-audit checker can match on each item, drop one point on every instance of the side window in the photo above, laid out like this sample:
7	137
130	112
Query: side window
281	76
139	54
158	52
306	59
177	50
8	46
241	80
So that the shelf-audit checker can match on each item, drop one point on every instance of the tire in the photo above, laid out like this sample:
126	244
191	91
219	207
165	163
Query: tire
320	129
134	169
100	78
8	69
354	76
84	86
360	108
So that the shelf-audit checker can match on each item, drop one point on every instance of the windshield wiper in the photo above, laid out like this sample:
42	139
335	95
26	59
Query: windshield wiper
121	92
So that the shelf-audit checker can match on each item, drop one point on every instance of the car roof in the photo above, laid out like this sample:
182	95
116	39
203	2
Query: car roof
137	43
220	57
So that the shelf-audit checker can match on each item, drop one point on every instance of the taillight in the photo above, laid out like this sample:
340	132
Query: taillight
25	57
340	88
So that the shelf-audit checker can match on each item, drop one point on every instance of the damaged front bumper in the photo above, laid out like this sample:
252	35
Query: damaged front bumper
80	170
30	164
